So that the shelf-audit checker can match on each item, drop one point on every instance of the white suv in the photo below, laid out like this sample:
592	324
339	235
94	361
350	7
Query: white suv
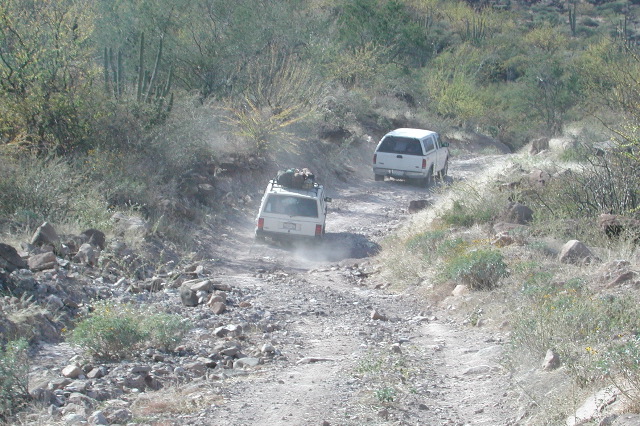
411	154
287	213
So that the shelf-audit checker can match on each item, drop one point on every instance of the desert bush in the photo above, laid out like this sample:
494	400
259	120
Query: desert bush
467	213
14	369
480	268
595	336
164	331
427	243
620	363
117	331
33	190
573	199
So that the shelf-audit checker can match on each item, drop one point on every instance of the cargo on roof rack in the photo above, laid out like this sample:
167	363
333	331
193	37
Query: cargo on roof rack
296	178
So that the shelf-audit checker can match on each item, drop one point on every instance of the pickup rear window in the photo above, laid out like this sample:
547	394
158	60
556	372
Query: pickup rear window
291	205
400	145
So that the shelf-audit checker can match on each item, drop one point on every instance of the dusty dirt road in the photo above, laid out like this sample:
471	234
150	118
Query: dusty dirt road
347	351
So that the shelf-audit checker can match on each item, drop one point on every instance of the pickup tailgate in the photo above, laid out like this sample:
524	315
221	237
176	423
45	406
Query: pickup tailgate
400	162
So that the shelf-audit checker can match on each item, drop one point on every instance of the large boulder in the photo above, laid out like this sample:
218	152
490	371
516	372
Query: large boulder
188	296
539	178
538	145
95	238
45	235
575	252
516	213
614	225
42	261
10	260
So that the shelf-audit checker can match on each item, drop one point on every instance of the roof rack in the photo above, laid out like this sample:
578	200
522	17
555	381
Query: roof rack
315	186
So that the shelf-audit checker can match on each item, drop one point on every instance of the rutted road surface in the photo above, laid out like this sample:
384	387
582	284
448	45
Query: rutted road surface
347	351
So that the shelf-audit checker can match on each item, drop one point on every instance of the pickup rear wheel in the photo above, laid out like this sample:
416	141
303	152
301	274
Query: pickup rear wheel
427	181
442	174
378	178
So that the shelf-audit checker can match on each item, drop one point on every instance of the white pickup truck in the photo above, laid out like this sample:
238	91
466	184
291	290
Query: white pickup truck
411	154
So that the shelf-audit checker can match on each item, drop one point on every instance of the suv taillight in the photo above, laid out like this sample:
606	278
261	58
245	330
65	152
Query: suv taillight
424	163
375	157
318	230
260	223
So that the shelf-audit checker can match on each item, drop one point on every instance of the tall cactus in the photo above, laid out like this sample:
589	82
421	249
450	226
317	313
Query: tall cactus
154	73
572	17
147	88
141	76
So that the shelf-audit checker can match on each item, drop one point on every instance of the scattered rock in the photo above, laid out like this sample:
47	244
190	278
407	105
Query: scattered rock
551	360
538	145
45	235
593	406
10	259
71	371
42	261
417	205
188	296
575	252
377	316
539	178
460	290
516	213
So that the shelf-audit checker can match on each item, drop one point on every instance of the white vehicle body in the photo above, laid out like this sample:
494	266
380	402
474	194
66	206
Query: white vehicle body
411	154
289	213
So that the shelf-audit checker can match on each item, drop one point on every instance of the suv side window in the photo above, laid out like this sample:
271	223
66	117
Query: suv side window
428	145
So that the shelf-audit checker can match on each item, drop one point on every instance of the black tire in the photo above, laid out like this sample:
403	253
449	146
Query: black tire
378	178
428	181
442	174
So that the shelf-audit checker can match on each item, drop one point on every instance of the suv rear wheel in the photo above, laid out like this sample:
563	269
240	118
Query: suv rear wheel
378	178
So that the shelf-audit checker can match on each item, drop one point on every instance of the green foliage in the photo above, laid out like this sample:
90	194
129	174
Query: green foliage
466	214
481	269
118	331
45	74
595	336
604	184
14	379
386	394
385	23
427	242
34	190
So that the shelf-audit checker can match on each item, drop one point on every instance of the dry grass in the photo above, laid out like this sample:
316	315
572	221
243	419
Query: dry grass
176	400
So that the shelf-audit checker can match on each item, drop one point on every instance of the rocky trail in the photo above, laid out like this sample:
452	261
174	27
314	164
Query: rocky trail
310	336
349	351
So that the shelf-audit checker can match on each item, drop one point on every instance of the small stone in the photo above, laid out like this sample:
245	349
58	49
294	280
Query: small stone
71	371
375	315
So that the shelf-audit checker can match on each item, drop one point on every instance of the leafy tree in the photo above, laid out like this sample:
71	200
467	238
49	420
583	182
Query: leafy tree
45	73
389	24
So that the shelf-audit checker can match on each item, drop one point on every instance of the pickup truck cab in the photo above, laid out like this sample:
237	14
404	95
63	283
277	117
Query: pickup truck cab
292	213
411	154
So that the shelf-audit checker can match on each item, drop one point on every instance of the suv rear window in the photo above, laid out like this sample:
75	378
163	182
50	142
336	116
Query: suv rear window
400	145
291	205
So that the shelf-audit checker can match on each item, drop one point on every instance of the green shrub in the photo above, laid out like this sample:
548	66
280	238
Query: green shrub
451	247
480	268
467	214
596	337
33	190
426	242
164	330
386	394
14	369
117	331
